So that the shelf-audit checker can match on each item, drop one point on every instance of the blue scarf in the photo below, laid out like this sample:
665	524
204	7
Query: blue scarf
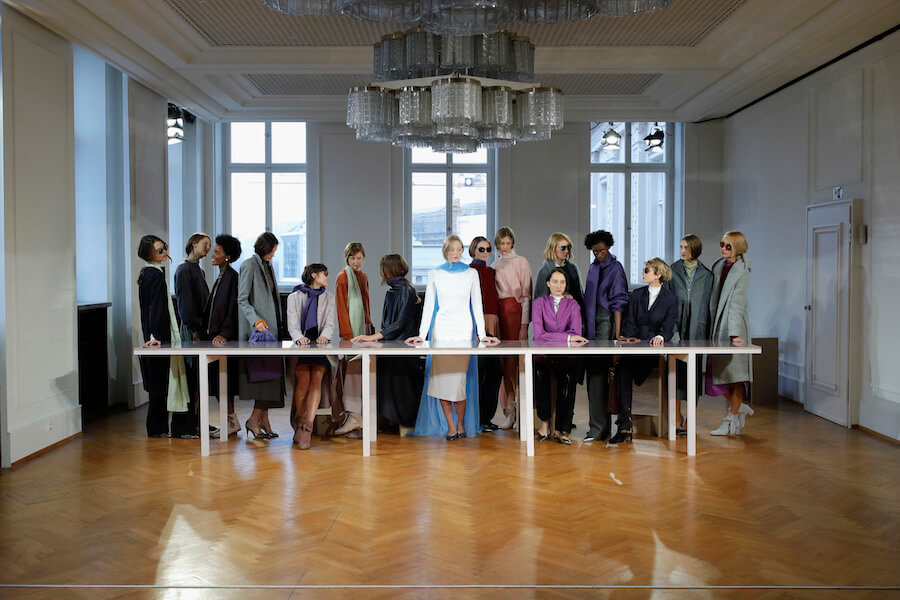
309	318
456	267
478	263
395	281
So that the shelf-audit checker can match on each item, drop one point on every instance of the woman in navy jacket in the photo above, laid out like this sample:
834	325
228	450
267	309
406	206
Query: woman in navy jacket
650	316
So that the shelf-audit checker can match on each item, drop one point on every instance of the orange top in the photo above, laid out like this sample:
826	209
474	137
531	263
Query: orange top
341	291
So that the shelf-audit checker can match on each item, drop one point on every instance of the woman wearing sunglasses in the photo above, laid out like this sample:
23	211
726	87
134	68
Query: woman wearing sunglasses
164	378
650	316
489	372
730	375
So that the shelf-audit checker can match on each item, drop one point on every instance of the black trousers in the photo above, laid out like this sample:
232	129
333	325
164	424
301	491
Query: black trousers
489	377
632	370
566	372
156	382
188	422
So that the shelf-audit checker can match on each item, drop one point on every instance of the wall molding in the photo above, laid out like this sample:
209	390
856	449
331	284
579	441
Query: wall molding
880	417
44	432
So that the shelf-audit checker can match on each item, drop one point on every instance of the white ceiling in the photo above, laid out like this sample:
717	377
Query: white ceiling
697	59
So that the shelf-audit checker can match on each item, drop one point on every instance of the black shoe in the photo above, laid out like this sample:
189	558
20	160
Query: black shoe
543	438
158	435
623	432
563	440
455	436
186	436
489	427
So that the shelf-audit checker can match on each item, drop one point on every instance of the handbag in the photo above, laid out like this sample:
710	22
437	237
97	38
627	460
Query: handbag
263	368
612	395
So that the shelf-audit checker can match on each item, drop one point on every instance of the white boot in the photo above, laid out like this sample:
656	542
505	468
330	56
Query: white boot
727	426
510	412
743	412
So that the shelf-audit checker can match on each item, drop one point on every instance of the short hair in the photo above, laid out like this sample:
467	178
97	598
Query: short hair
195	237
145	247
393	265
694	245
559	270
231	246
554	239
474	245
310	270
265	243
351	249
447	241
738	242
502	233
661	268
596	237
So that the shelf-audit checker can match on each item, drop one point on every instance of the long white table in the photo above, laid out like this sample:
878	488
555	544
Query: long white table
687	351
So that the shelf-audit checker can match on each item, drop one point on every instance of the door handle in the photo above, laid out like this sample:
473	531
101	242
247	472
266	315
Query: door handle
807	307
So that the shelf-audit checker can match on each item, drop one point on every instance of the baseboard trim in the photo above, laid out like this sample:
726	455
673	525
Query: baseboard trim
47	449
872	432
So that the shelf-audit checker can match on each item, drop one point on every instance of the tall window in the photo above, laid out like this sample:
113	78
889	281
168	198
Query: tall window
267	191
445	193
632	193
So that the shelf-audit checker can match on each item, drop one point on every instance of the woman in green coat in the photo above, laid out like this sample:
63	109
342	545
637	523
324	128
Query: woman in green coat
730	375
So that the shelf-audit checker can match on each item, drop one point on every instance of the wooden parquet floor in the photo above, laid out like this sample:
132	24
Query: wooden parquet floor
795	501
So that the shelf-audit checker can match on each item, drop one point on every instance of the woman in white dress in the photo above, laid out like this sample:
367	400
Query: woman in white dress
452	313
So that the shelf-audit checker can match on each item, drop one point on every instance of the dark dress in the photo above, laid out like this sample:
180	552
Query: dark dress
220	317
641	322
400	379
152	291
490	374
191	294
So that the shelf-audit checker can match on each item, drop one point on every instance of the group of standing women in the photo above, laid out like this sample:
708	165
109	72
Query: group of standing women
462	303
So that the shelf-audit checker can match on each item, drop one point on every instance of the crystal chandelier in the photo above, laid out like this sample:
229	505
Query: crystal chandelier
462	17
444	92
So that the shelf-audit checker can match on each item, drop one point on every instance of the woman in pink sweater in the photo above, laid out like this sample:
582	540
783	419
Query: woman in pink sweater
513	279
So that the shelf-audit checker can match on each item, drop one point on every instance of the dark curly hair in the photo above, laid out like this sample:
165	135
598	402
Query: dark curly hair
595	237
231	246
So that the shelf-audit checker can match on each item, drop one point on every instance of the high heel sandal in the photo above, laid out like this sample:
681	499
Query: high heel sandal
266	432
623	428
257	435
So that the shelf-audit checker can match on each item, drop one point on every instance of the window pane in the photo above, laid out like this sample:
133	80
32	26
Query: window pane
429	223
608	208
600	153
639	152
428	156
288	143
469	207
248	142
289	226
648	220
248	210
479	157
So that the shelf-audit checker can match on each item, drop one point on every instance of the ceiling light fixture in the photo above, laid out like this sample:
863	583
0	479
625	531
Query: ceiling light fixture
610	139
655	140
458	17
175	124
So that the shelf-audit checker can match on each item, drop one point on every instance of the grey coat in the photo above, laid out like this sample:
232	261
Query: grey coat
729	317
693	296
255	301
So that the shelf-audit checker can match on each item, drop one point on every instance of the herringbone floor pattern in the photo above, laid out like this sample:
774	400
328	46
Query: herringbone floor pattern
795	501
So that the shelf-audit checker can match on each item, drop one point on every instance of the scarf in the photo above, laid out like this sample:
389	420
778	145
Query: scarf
478	263
309	316
689	266
456	267
355	303
395	281
177	396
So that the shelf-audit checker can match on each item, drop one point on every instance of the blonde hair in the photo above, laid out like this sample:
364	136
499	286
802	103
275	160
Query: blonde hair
449	240
552	241
351	249
502	233
661	268
738	242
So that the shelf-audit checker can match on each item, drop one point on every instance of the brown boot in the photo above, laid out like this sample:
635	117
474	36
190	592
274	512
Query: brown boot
303	435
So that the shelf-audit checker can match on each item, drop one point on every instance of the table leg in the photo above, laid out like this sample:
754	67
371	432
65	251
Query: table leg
223	398
367	425
528	405
522	421
692	404
672	399
203	359
373	399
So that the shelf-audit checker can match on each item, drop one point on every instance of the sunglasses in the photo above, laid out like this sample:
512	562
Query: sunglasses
564	247
483	248
646	269
724	245
162	250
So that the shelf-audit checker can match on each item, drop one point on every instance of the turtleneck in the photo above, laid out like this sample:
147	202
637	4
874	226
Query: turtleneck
689	266
654	294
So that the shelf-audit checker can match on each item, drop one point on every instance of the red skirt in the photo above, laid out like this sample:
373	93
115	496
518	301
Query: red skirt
510	318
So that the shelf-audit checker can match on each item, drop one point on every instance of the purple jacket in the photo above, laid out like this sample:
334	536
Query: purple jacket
607	286
555	327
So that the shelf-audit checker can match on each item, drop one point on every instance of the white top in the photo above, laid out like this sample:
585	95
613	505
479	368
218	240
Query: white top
654	294
556	301
458	296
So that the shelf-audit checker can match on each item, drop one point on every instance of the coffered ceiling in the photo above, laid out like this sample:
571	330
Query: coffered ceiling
697	59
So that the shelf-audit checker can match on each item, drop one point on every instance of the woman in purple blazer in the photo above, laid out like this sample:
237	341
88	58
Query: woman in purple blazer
556	319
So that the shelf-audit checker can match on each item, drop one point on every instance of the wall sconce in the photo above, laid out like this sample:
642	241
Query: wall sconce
175	124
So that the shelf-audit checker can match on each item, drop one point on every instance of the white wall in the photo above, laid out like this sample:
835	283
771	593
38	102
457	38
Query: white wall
838	127
38	358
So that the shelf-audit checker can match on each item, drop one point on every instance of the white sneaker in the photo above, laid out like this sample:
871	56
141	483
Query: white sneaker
743	412
727	426
510	412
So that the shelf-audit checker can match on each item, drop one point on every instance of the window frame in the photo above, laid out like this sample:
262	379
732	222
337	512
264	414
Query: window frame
672	215
267	168
448	168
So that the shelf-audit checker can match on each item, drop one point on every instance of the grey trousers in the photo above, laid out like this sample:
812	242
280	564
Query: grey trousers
597	368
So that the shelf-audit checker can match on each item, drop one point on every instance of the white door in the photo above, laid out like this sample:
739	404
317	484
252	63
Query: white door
828	254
